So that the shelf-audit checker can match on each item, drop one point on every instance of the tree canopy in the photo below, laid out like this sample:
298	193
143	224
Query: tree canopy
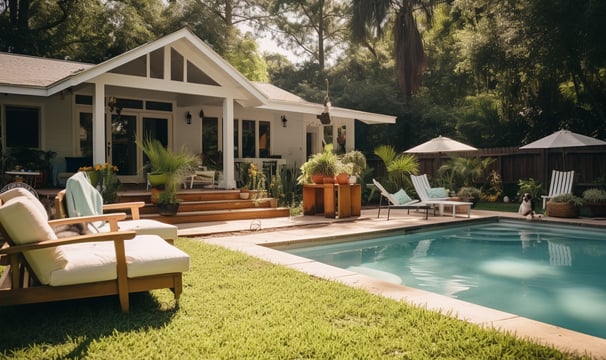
487	72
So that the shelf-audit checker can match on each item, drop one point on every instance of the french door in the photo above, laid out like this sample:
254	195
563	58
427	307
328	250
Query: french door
122	150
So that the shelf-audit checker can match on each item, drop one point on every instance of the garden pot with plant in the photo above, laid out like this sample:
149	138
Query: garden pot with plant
321	165
565	205
595	200
174	165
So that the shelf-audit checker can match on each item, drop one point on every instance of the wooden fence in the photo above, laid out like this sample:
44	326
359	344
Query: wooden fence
513	164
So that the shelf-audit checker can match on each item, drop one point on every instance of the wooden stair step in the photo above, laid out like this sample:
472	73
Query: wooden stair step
220	215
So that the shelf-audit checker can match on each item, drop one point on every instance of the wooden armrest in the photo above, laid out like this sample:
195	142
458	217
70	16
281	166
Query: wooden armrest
134	207
96	237
111	218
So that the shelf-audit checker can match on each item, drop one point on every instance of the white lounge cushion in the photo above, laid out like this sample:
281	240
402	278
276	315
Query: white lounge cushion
145	227
25	224
145	255
17	192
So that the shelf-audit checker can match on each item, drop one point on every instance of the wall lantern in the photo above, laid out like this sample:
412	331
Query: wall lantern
201	114
188	118
284	120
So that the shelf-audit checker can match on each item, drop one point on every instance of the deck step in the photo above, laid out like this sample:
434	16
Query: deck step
207	205
220	215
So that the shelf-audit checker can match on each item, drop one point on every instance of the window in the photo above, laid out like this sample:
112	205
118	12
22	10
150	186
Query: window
248	138
22	127
264	139
86	134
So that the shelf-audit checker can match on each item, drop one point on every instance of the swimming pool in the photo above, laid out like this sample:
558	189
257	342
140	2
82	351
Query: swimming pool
551	273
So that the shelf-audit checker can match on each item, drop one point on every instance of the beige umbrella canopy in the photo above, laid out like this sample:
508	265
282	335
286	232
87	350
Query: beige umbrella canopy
563	139
438	145
441	144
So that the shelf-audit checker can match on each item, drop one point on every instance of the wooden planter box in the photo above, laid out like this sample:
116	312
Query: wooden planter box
562	209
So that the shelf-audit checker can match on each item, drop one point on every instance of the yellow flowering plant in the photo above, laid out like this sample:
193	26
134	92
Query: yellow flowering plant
103	177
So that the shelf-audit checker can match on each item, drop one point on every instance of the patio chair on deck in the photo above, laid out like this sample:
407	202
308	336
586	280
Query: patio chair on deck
561	183
80	198
436	196
41	267
397	200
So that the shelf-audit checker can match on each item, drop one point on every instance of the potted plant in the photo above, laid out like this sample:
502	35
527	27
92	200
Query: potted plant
320	166
343	172
564	205
173	165
469	193
595	200
358	163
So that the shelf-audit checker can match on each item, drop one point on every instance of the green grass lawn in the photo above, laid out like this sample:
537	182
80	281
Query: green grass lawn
239	307
498	206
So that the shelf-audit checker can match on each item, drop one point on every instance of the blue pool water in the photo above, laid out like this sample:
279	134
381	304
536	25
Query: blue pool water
551	273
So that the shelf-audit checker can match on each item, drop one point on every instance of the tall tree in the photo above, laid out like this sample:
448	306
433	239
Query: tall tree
312	29
368	20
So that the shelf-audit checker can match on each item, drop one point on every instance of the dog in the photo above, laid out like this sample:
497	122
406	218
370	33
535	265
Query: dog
527	206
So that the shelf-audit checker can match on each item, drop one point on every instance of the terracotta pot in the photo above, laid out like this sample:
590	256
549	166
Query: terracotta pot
342	179
244	195
328	180
317	178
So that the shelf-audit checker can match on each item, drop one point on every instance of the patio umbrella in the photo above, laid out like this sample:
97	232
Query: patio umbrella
440	144
563	139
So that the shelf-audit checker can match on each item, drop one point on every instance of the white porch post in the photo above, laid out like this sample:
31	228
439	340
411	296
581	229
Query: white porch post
99	124
229	181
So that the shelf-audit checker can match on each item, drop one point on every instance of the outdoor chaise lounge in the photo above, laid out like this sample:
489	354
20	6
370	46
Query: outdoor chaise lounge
561	183
436	196
80	198
40	267
398	200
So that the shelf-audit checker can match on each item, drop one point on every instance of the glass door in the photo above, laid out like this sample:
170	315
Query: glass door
121	147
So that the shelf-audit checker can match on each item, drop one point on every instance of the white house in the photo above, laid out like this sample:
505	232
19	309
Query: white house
175	89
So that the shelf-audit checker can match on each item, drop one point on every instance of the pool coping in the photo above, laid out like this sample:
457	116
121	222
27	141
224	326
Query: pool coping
259	244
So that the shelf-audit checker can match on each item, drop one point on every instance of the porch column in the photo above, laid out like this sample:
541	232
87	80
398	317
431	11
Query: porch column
99	124
229	181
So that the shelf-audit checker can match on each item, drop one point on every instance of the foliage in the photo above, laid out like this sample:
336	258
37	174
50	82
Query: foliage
464	171
323	163
29	159
357	160
594	195
176	164
469	192
256	178
529	186
568	198
226	294
493	191
399	167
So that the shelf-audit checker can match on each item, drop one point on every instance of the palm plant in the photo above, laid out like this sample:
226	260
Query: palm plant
174	164
368	18
399	167
464	171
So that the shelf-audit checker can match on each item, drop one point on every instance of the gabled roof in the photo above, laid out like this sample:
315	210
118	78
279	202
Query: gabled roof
27	75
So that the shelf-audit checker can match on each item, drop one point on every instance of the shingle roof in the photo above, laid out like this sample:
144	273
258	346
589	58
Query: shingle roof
21	70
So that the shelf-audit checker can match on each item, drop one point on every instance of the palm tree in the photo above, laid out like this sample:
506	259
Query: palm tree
399	167
368	19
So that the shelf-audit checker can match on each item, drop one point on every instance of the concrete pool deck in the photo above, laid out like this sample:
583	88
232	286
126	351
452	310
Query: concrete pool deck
256	237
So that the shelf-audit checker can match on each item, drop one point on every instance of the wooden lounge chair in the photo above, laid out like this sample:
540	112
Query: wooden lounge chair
424	191
40	267
398	200
80	198
561	183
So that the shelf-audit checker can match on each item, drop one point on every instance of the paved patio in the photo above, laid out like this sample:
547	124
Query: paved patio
253	236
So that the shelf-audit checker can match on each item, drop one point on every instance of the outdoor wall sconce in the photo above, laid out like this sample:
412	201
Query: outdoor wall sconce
188	118
284	120
112	102
201	114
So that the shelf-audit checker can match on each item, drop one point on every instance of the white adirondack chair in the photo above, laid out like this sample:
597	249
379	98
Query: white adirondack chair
561	183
